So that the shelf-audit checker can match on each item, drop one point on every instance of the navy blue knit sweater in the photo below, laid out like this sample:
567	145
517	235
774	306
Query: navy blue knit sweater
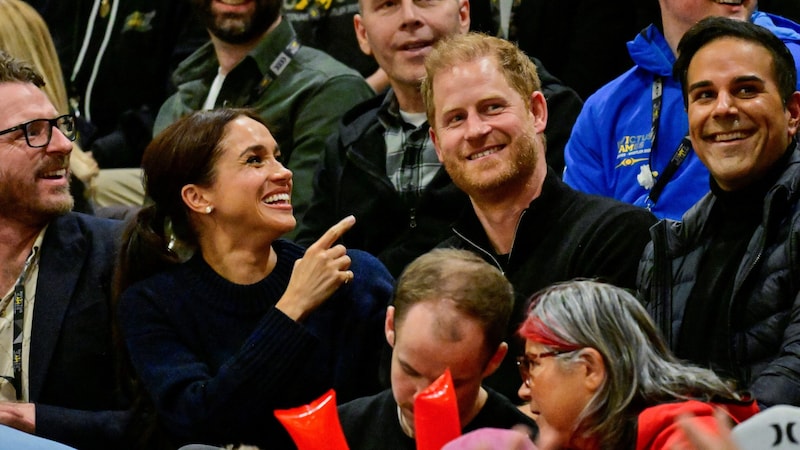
217	358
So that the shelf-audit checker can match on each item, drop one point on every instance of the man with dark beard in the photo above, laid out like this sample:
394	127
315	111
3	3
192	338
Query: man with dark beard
523	219
254	60
57	377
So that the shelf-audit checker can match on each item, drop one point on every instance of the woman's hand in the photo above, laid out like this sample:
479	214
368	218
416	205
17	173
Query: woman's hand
318	273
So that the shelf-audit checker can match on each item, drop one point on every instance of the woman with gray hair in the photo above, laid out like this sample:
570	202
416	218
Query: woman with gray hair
599	376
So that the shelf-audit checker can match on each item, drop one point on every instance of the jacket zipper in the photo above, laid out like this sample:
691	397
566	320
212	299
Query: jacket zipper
496	263
480	249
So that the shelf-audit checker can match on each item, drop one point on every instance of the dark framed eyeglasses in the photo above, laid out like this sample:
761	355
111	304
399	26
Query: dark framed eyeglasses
526	363
38	132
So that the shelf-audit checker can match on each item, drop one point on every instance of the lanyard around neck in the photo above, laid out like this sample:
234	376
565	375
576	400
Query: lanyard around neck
19	315
659	181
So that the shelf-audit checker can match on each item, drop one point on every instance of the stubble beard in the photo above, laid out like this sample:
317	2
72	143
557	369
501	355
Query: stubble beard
515	173
40	211
233	28
239	28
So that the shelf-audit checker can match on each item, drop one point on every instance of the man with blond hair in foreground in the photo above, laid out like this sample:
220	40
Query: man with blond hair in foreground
450	311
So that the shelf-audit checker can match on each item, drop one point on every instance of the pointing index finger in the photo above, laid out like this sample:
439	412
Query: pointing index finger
335	232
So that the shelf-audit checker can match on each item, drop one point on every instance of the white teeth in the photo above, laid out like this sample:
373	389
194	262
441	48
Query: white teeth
55	173
729	136
730	2
277	198
484	153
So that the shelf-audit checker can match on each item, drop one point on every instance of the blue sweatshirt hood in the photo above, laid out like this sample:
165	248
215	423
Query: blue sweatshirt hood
650	51
785	29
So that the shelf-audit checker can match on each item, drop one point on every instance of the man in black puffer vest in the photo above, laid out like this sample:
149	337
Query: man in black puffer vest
723	283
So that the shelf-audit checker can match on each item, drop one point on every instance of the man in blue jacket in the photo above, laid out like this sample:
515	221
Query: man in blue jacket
628	142
57	365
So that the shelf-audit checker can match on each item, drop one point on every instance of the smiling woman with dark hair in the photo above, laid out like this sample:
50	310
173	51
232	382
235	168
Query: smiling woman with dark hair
223	320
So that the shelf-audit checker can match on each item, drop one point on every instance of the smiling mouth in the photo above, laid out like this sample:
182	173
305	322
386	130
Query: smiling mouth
54	174
232	2
277	199
416	46
484	153
730	2
727	137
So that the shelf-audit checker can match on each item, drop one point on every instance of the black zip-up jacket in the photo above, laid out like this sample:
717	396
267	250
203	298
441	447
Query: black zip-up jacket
763	324
351	179
563	234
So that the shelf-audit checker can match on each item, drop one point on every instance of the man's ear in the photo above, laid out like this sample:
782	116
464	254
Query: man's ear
195	198
361	35
463	16
388	327
539	111
793	110
496	359
594	369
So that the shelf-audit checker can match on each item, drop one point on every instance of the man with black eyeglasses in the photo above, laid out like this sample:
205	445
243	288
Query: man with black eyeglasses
57	377
39	132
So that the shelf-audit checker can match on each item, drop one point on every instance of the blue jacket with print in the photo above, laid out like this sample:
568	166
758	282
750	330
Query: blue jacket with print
612	138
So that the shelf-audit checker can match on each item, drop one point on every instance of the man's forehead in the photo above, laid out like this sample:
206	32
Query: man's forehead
440	320
21	102
495	84
746	46
362	3
749	56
